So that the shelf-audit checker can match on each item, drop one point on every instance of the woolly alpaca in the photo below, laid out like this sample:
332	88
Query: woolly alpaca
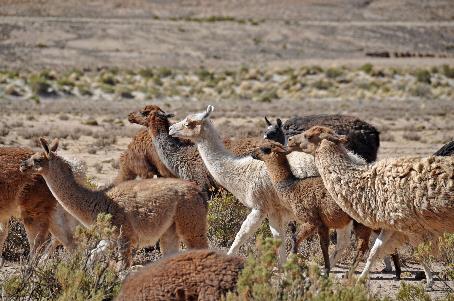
141	159
193	275
179	155
411	198
143	211
312	205
27	196
246	178
363	138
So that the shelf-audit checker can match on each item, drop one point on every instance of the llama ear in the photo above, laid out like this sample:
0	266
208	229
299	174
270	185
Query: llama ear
44	144
208	112
53	147
334	138
170	115
279	122
343	139
267	121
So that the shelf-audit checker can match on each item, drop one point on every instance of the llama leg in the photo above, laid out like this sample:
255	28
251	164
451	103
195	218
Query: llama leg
396	261
37	234
379	245
249	226
62	226
426	265
306	230
429	275
388	267
277	227
343	240
294	237
362	234
323	232
4	227
169	242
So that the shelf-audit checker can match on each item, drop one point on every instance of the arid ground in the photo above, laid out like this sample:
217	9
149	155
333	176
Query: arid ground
74	70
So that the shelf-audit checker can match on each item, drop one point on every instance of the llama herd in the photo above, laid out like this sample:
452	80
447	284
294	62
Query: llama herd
319	171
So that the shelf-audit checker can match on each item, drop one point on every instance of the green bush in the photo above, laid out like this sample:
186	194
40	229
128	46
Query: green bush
423	76
367	68
70	276
40	85
333	72
225	216
322	85
409	292
448	71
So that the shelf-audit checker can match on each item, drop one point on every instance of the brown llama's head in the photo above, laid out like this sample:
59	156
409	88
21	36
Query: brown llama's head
144	116
309	140
191	126
270	150
39	162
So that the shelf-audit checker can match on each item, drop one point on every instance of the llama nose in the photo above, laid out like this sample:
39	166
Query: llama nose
172	131
130	116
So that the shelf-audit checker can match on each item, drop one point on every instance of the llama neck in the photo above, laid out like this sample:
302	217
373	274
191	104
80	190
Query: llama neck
230	171
332	158
79	201
344	178
171	151
280	172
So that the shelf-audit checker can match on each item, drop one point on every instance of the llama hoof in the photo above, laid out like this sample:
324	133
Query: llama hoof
386	270
420	275
429	286
2	262
325	273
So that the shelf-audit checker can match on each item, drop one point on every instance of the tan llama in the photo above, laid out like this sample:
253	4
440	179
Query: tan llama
143	211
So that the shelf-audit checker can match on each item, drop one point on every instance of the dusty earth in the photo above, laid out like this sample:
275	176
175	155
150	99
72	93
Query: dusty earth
224	34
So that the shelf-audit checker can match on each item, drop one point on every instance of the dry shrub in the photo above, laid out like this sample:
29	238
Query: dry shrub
70	276
16	245
297	280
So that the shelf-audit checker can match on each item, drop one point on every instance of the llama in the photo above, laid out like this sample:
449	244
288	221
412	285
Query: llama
446	150
363	138
141	159
181	156
27	197
411	198
143	211
245	177
311	204
192	275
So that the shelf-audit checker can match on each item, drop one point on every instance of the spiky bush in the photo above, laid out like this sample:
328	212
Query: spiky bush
74	276
260	280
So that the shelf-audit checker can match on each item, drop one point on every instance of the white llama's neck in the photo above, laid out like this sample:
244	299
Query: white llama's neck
232	172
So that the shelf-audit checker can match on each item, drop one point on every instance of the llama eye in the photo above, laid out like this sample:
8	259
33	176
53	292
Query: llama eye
144	113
